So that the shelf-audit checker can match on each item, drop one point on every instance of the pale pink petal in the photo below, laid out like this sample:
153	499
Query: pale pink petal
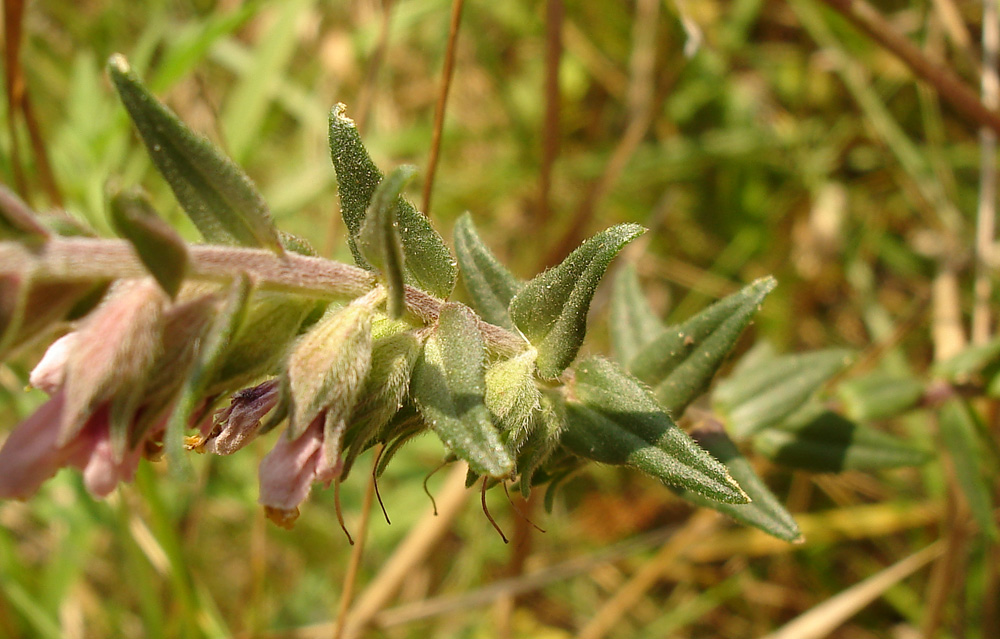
288	471
50	372
31	454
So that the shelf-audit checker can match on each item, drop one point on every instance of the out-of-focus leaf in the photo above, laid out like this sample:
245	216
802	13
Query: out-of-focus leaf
821	441
772	391
230	317
633	324
970	363
958	432
680	363
551	309
490	285
428	260
262	341
511	395
764	511
388	381
329	364
449	388
879	396
616	421
214	192
378	239
160	248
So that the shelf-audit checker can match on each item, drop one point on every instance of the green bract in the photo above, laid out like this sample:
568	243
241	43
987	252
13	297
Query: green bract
428	260
551	310
449	388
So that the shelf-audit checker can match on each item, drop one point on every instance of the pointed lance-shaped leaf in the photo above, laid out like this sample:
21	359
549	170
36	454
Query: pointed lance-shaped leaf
158	246
972	363
879	395
449	388
329	363
378	238
768	393
680	364
818	440
215	193
231	315
428	260
633	324
958	432
764	511
551	309
617	421
490	285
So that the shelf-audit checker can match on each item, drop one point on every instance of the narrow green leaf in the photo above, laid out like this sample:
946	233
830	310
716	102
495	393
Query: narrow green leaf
768	393
214	192
879	396
378	238
329	364
821	441
764	511
427	258
551	310
616	421
230	317
511	395
633	324
160	248
490	285
449	388
680	363
958	432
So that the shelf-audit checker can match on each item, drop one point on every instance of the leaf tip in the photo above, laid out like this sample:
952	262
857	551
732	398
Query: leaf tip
118	63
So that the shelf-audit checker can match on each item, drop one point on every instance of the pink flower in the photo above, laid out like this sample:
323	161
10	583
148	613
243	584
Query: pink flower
32	453
288	472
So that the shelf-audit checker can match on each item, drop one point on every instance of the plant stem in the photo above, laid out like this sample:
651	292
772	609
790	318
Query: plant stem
867	18
92	259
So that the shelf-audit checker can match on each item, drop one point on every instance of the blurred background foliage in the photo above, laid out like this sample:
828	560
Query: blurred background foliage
751	136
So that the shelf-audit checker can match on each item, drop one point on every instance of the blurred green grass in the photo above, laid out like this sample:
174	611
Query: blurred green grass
788	145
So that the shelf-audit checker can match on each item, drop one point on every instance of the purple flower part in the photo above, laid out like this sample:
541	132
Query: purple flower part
50	372
235	426
287	473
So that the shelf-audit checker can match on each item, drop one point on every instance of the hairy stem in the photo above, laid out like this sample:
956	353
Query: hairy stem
90	259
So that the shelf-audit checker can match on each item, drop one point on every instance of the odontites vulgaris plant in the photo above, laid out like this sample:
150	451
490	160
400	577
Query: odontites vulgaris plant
160	346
